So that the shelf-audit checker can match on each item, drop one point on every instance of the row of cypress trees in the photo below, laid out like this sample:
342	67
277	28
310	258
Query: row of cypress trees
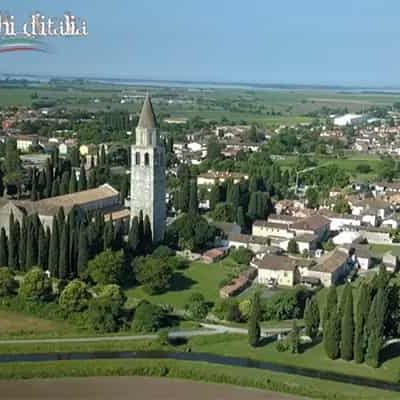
357	331
73	240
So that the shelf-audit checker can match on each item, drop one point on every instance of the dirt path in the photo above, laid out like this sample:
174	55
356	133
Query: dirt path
127	388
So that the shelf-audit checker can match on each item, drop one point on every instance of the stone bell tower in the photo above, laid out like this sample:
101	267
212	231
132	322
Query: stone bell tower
148	172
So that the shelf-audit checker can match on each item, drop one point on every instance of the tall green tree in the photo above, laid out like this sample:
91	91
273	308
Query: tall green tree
3	248
54	249
240	218
347	327
193	198
331	325
362	310
133	237
13	243
147	234
63	264
82	185
83	251
43	248
23	243
311	318
73	184
254	331
215	196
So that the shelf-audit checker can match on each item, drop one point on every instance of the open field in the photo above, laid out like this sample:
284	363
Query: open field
17	324
349	163
206	372
198	277
272	107
121	388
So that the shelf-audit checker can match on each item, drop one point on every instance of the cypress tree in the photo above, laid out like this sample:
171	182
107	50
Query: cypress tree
42	248
31	247
133	237
141	231
55	189
92	179
331	305
240	218
73	184
375	326
254	331
64	186
311	318
34	194
215	196
332	337
347	327
294	338
109	234
118	235
64	254
193	198
83	251
13	243
82	179
184	196
234	198
147	234
54	249
362	310
331	325
3	248
124	189
23	243
49	179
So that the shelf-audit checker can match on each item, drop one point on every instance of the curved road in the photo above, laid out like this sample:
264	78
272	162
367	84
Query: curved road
128	388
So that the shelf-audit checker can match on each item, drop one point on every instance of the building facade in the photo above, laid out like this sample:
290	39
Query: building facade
148	172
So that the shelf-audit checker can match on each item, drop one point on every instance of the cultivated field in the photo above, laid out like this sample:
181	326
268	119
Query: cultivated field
127	388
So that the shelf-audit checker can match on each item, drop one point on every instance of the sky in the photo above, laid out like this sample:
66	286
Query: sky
347	42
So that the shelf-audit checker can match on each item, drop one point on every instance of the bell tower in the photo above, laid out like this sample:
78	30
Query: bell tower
148	172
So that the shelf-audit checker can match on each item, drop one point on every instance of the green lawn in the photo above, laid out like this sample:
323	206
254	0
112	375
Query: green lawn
313	357
15	324
198	277
379	249
199	371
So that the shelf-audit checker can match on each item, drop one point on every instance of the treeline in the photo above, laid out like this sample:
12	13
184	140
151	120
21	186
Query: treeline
72	241
241	202
356	329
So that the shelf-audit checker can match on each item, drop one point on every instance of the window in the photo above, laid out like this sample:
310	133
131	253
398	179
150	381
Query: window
146	159
137	158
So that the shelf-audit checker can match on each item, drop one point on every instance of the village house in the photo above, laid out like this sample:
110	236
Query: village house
25	143
330	269
212	178
269	229
277	270
316	225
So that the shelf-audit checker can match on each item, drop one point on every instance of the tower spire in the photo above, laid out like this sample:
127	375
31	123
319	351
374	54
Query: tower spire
147	118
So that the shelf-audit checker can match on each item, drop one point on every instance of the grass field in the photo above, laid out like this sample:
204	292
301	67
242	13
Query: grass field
206	372
17	324
349	163
198	277
379	249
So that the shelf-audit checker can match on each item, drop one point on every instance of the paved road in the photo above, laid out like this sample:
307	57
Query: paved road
207	329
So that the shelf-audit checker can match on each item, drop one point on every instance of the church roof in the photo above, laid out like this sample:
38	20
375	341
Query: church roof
147	117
